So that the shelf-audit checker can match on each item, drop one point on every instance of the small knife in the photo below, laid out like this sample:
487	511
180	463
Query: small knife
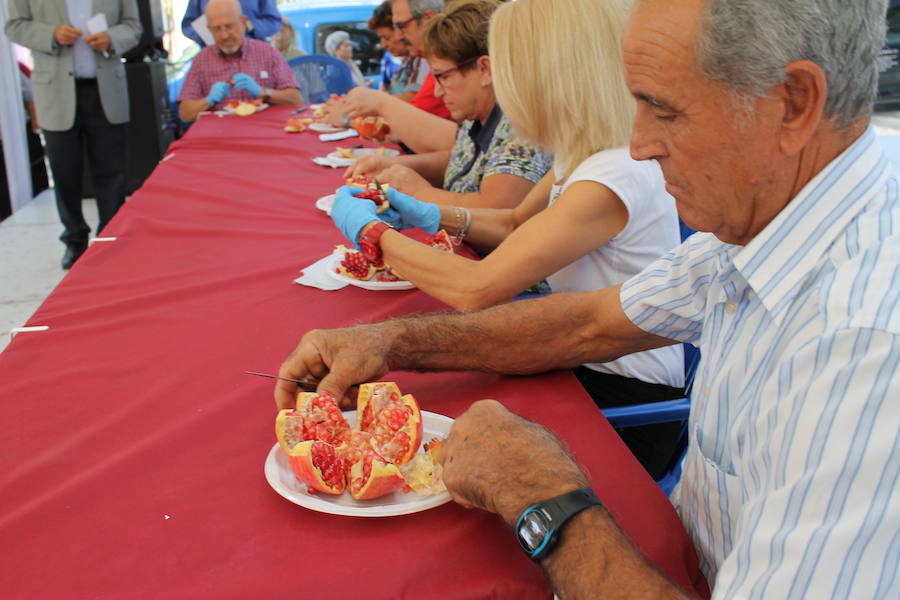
306	386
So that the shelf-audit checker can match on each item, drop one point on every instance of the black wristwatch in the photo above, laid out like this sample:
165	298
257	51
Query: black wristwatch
538	527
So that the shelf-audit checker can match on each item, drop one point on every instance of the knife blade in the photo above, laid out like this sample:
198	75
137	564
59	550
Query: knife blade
303	384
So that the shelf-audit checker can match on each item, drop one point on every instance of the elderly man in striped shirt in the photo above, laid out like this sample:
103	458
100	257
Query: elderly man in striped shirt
758	113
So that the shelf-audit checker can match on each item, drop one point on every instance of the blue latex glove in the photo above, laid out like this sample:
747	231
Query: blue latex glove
351	214
242	81
414	213
218	92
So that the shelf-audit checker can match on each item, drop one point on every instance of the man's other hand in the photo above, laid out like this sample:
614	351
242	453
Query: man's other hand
338	359
498	461
98	41
218	92
65	35
242	81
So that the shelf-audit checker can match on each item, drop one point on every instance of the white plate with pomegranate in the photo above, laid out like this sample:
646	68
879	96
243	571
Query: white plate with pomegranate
366	284
347	156
282	479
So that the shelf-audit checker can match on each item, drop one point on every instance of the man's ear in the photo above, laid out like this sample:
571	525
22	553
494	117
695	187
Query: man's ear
246	22
803	95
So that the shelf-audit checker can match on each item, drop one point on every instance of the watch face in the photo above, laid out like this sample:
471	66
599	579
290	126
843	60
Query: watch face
534	528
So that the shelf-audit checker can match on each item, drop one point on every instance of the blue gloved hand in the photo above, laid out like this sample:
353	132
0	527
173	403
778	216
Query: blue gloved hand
242	81
414	213
351	214
218	92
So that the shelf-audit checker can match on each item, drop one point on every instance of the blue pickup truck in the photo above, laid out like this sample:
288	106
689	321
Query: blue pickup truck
314	20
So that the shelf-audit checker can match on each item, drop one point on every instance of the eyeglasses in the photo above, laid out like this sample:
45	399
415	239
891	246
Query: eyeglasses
401	25
440	77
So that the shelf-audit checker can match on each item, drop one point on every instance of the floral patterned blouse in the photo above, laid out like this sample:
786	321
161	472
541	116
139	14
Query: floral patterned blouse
490	149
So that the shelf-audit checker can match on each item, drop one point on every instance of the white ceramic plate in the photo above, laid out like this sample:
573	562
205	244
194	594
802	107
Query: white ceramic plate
325	203
372	284
324	127
282	479
259	108
341	160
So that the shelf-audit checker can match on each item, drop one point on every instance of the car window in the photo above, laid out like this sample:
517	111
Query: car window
367	52
893	25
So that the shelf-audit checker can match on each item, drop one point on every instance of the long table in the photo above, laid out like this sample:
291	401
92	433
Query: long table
132	446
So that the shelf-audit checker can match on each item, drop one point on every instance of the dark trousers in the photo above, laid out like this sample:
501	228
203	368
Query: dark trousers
105	146
652	445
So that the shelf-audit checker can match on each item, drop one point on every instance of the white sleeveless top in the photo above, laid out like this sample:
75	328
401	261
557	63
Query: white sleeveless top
652	230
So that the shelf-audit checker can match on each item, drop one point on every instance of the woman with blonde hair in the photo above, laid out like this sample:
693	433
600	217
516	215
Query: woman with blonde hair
597	218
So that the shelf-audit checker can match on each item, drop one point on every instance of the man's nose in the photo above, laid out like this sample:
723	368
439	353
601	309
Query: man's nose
645	143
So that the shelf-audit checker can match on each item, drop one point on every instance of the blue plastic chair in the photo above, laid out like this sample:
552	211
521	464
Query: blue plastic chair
320	76
668	411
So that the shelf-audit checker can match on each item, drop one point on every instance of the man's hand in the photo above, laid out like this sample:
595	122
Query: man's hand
413	213
65	35
369	165
497	461
338	358
218	92
363	102
350	214
98	41
242	81
404	179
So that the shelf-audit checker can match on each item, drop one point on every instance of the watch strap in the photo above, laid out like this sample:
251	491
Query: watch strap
559	510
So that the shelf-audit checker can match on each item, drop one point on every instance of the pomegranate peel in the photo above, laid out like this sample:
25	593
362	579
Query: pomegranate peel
318	465
373	477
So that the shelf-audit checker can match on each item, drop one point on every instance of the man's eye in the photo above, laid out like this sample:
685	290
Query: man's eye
665	117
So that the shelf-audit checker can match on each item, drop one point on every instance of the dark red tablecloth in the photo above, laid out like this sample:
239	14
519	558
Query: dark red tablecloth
132	446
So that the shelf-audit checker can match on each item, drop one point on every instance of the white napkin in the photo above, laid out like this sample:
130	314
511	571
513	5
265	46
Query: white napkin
96	24
339	135
316	275
326	162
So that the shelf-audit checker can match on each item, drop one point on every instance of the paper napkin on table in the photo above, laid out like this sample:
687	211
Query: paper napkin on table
339	135
326	162
316	275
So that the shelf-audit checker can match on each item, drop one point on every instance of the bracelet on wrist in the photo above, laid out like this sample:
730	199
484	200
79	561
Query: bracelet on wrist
463	222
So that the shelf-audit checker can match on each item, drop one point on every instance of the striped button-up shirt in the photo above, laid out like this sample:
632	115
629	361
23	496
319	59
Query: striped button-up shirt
257	59
790	485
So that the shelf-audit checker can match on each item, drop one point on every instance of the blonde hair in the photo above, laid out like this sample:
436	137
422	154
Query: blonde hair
558	75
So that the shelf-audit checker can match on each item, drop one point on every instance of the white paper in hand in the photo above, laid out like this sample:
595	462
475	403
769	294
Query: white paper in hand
96	24
199	25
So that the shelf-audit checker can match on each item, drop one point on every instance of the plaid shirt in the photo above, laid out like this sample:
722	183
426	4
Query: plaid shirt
257	59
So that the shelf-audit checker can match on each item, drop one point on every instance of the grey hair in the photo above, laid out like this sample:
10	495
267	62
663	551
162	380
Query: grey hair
746	44
335	39
418	7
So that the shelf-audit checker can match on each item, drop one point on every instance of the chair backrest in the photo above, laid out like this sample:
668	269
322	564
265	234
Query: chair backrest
320	76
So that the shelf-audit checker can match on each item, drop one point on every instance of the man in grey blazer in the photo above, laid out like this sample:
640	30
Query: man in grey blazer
81	97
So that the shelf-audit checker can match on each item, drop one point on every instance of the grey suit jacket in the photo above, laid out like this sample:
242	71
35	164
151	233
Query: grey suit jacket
31	23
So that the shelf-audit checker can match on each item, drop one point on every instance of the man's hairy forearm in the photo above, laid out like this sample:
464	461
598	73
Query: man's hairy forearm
596	560
529	336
